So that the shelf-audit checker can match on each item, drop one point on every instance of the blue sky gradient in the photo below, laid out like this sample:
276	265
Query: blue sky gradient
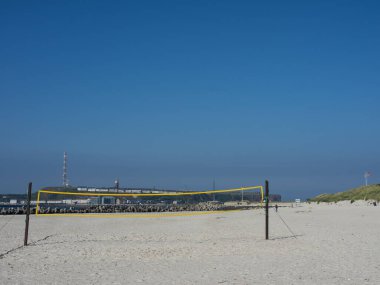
177	93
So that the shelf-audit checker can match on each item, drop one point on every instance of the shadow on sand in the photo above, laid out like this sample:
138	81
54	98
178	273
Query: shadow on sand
286	237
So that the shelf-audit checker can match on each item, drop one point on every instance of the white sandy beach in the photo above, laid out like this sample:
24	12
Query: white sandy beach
335	244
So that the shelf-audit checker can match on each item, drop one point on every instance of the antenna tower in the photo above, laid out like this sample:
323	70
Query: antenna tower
64	176
117	184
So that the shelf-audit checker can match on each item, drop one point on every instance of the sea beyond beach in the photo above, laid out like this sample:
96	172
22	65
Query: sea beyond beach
310	244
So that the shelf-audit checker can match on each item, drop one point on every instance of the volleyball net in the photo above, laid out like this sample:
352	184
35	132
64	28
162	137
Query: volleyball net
77	203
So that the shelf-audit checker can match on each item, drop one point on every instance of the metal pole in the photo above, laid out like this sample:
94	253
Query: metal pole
266	209
213	188
27	214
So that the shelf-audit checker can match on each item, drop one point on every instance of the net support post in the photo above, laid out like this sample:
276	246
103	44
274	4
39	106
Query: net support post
266	209
27	214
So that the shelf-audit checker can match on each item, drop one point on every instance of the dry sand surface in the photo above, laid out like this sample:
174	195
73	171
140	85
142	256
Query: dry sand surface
334	244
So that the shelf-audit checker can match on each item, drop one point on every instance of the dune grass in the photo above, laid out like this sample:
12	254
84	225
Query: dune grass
370	192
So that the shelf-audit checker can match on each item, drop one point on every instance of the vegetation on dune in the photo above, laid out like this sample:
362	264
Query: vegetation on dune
371	192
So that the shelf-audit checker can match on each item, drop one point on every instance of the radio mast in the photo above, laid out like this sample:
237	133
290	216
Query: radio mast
64	176
117	184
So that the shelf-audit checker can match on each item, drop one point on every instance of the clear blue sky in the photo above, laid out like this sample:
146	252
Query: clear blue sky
177	93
